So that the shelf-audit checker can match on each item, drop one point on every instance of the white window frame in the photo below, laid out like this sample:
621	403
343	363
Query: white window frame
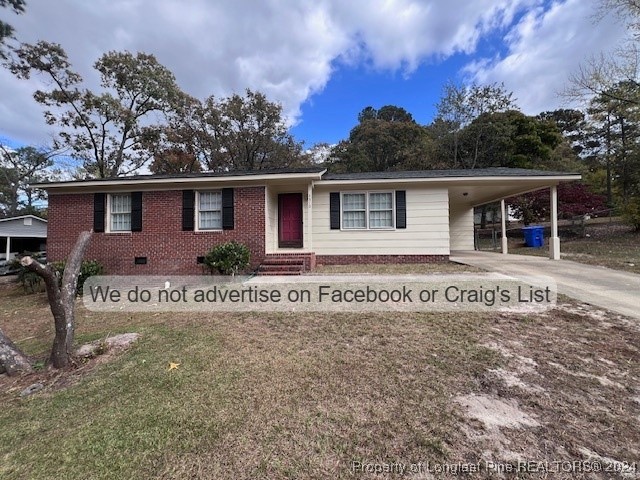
109	219
366	213
197	212
368	226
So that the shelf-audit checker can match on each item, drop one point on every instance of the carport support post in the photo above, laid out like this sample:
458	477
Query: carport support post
554	241
8	248
503	219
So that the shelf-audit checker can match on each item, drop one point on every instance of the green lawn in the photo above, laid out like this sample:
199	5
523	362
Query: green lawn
304	395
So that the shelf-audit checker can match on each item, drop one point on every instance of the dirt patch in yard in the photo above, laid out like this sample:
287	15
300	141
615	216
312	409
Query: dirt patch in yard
493	412
286	395
576	371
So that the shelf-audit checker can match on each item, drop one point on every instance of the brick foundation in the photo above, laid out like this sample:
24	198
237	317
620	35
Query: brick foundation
378	259
169	250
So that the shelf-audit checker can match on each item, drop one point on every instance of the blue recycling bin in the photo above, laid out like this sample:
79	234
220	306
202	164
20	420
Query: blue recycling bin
533	236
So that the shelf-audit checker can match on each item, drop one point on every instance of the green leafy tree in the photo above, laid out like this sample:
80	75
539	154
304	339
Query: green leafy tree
458	107
109	130
384	139
616	134
509	139
244	133
573	126
18	170
631	213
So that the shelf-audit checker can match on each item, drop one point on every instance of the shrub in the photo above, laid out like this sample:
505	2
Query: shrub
228	258
631	213
574	199
88	268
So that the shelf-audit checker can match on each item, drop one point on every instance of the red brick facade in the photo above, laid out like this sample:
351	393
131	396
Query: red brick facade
168	249
378	259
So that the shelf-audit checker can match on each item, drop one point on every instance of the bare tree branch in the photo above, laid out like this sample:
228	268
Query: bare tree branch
62	298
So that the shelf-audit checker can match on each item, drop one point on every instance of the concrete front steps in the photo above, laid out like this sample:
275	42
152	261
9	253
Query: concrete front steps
287	264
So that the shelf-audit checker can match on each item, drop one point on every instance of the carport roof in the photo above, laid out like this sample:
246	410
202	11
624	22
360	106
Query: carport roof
467	188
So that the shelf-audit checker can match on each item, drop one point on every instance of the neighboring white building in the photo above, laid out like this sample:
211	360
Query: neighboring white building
26	233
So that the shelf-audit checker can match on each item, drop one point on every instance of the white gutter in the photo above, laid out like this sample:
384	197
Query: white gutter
465	180
93	184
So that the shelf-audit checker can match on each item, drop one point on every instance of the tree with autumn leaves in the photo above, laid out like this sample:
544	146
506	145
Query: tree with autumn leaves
141	113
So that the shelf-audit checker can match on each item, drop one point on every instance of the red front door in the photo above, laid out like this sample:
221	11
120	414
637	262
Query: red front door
290	220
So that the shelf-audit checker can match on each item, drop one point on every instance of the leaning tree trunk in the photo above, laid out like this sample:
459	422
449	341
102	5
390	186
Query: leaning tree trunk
12	360
62	298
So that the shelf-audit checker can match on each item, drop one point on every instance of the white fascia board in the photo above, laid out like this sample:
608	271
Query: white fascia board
550	179
23	216
123	182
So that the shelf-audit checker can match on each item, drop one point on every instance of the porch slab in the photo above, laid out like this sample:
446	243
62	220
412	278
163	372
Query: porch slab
603	287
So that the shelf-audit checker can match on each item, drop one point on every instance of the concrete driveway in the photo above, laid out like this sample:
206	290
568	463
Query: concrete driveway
610	289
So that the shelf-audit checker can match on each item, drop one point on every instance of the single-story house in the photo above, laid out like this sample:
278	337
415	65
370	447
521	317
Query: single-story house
26	233
164	224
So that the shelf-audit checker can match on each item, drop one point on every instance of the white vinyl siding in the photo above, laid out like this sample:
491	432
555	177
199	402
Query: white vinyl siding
427	231
362	210
209	210
120	212
461	227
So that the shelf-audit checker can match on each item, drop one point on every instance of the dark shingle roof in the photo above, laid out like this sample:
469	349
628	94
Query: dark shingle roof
237	173
464	173
416	174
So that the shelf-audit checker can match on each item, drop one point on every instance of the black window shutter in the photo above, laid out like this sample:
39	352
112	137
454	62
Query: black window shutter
188	209
401	209
334	210
227	209
98	212
136	212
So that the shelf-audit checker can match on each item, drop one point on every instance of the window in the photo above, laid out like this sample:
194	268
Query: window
120	212
354	210
373	210
381	210
209	210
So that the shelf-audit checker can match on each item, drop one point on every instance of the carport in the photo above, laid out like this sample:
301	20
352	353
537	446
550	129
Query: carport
474	188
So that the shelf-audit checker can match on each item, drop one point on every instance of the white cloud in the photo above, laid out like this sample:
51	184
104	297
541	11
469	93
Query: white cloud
284	48
544	48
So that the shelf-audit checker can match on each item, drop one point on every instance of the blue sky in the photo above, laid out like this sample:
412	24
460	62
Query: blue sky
323	60
329	115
